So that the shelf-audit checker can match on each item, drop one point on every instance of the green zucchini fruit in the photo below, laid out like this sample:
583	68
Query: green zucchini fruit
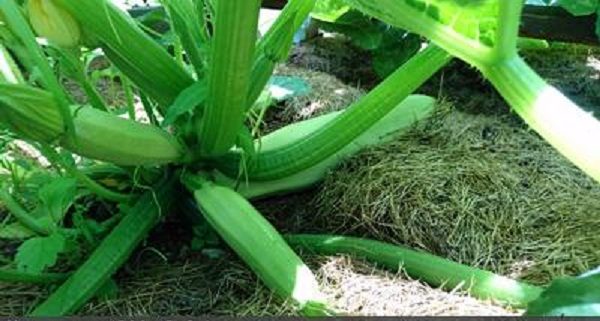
257	242
105	137
412	110
334	136
429	268
34	114
109	255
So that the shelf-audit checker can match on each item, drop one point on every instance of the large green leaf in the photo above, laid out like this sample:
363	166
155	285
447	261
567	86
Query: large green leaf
465	28
363	31
475	19
396	48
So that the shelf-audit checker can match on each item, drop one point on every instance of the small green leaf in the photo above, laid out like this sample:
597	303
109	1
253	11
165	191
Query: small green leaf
16	231
186	102
329	10
580	7
57	197
569	297
364	32
108	291
397	47
37	254
204	236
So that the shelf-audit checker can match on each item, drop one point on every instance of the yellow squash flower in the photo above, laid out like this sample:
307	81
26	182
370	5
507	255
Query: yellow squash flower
53	23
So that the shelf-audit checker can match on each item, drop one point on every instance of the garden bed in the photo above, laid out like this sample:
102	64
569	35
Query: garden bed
450	186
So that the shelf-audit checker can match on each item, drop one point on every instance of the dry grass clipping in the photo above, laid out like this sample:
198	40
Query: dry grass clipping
327	94
479	190
226	287
199	286
357	288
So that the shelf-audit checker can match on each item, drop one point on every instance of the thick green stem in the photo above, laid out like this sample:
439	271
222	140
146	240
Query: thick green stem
276	43
232	51
73	67
417	17
187	20
402	118
426	267
31	278
572	131
508	29
137	55
92	185
21	214
335	135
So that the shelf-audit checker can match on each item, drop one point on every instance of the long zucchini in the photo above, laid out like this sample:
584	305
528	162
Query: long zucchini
109	256
34	114
120	141
400	119
426	267
257	242
334	136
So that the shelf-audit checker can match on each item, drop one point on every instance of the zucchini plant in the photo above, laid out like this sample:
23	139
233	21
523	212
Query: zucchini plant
198	99
484	34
